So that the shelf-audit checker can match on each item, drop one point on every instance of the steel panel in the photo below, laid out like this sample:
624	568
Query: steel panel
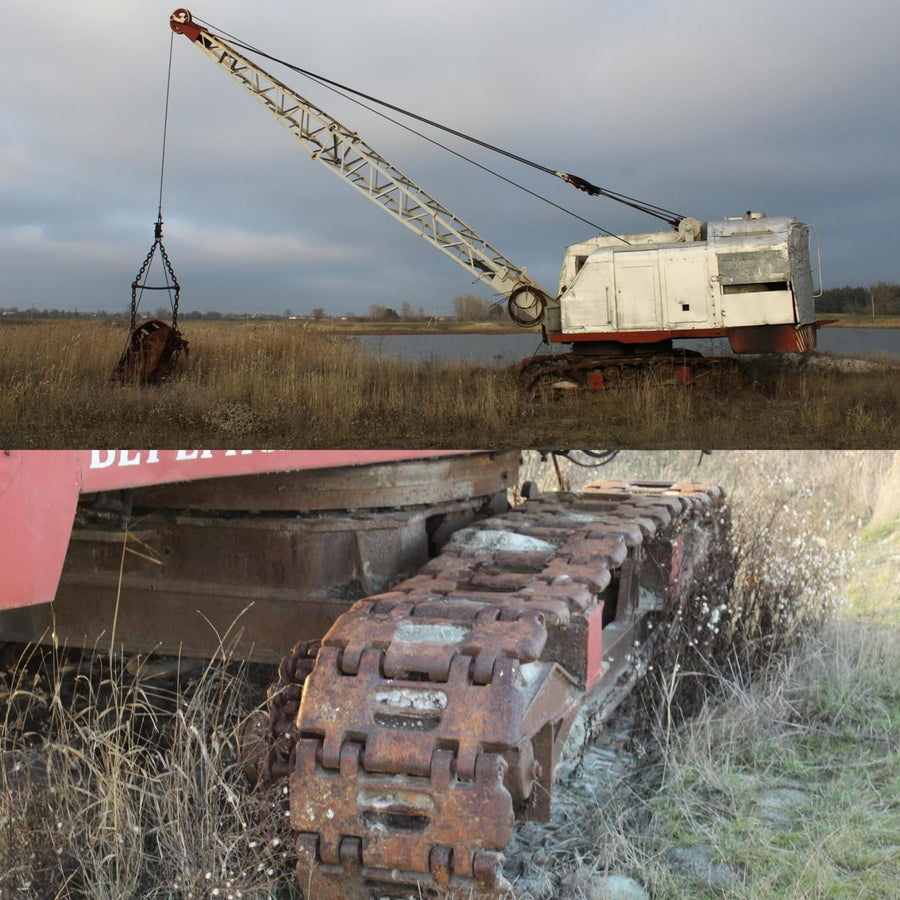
754	266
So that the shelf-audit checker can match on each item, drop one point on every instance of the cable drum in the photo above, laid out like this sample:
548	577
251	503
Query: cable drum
526	305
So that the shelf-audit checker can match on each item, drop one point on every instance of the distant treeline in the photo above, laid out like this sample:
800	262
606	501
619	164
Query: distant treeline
883	298
466	308
13	312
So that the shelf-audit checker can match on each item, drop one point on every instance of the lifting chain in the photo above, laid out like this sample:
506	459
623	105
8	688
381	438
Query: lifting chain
154	348
174	286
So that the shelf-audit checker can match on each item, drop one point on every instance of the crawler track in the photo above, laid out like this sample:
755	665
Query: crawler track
575	370
433	716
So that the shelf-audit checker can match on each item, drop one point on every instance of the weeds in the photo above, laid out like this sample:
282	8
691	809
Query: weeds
118	783
772	714
279	384
790	781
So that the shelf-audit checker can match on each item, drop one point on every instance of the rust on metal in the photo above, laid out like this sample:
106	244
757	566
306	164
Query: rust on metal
376	485
787	338
152	355
607	369
263	559
436	711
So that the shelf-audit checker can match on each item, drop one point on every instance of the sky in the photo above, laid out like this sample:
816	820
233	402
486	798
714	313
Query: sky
703	107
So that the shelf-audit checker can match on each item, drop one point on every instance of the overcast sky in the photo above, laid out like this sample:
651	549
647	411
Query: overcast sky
705	107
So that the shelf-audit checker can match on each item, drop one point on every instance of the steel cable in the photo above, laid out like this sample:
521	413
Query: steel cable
582	184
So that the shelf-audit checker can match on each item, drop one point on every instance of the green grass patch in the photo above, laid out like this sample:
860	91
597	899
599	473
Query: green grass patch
803	802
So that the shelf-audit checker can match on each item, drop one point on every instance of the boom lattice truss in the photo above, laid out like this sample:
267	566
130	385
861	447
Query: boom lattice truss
345	154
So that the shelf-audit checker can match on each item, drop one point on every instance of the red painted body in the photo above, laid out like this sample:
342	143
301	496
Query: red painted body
747	339
594	666
39	492
38	495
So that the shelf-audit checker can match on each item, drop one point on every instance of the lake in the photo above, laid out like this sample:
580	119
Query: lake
505	349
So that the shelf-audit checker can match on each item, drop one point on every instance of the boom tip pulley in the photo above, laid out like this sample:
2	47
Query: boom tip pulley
182	22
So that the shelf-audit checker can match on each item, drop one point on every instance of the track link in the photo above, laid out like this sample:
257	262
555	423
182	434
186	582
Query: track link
577	371
433	715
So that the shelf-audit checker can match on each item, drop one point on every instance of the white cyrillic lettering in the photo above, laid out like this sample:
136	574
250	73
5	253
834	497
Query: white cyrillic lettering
97	462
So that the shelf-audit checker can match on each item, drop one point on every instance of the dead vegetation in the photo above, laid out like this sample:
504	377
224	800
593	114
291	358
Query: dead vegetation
119	783
766	744
277	384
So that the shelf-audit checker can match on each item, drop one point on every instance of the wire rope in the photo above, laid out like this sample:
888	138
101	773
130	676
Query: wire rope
138	286
162	164
659	212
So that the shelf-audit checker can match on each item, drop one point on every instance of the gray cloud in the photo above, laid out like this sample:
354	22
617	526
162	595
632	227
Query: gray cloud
703	107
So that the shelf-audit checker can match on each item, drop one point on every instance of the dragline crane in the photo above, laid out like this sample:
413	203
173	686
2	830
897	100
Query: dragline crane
621	299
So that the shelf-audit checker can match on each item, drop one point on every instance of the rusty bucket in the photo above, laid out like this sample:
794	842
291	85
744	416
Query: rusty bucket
152	353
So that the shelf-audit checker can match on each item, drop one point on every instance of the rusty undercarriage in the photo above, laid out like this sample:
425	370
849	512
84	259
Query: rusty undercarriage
445	641
601	368
432	716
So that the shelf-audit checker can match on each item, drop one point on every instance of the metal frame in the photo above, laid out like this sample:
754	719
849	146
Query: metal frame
345	154
39	491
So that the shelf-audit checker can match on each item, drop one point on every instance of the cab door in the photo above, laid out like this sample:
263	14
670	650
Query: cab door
638	303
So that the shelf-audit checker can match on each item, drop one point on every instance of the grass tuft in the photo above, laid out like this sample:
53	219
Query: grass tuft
117	783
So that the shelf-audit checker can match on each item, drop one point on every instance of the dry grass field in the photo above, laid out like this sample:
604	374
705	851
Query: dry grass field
280	385
843	320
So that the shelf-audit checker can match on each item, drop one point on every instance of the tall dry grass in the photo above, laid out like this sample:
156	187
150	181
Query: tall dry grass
244	385
119	784
280	384
777	779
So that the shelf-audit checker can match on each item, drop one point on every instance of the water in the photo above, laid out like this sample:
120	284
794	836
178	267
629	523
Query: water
506	349
859	341
493	349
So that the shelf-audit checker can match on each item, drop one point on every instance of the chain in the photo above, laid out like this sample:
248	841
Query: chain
158	229
136	284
